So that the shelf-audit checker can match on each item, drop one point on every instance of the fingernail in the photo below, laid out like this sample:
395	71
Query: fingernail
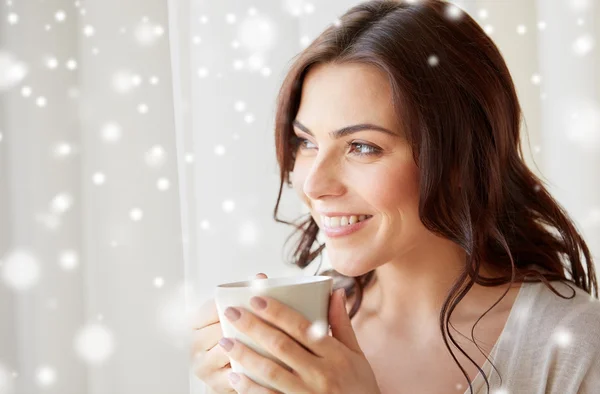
234	378
258	303
226	344
343	291
232	314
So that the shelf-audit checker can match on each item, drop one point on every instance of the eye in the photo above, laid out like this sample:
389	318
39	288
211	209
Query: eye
301	143
362	149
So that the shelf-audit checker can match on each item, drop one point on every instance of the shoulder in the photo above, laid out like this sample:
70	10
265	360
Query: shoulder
567	330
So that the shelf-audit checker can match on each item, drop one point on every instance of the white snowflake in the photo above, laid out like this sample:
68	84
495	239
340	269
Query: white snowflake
582	124
304	41
228	206
265	72
580	5
20	269
205	224
45	376
248	233
61	203
318	330
562	337
156	156
68	260
26	91
89	31
136	80
163	184
7	385
143	108
123	81
230	18
238	64
202	72
146	33
98	178
219	150
583	45
12	71
255	62
60	16
136	214
239	106
62	149
94	343
51	62
257	34
111	132
453	12
12	18
41	101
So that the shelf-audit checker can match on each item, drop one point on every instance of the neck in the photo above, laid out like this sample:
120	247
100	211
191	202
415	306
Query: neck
408	293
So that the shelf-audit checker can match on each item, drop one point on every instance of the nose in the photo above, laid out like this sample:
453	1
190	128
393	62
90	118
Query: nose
324	178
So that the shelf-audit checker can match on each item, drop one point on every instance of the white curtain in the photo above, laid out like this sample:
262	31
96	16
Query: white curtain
90	232
137	166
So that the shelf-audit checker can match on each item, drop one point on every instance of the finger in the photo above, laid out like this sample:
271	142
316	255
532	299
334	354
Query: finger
274	341
206	338
341	327
245	385
208	363
261	276
219	382
205	316
217	358
312	336
266	369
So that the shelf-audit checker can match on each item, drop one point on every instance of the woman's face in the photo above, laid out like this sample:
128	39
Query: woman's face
368	172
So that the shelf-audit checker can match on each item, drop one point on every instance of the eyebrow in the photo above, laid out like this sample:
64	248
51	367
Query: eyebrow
344	131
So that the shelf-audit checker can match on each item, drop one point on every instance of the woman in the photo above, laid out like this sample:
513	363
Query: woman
399	129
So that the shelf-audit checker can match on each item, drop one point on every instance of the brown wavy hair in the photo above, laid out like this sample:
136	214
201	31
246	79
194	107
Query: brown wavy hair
461	116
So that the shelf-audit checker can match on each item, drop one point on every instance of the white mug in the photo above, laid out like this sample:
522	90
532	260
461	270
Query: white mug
308	295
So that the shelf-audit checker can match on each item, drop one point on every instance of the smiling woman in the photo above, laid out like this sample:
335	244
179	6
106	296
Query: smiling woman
398	127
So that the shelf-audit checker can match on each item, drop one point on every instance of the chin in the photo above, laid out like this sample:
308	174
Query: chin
350	268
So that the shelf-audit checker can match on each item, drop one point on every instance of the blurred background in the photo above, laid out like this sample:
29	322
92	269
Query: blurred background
137	166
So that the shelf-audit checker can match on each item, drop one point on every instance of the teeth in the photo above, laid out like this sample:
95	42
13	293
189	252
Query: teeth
338	221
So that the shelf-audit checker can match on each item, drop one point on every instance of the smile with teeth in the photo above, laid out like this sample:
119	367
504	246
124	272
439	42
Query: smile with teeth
340	221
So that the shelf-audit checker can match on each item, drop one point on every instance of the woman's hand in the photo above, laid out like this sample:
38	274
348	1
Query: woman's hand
211	364
320	365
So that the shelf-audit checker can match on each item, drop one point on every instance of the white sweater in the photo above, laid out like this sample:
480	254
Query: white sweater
549	345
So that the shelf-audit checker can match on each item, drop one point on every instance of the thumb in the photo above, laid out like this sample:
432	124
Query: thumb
341	327
261	276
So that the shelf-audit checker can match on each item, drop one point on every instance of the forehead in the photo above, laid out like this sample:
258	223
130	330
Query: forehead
338	95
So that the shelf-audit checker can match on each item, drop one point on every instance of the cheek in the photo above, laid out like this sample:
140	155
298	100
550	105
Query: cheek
393	189
297	177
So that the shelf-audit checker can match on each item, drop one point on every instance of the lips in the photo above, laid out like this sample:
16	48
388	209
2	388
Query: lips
346	229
